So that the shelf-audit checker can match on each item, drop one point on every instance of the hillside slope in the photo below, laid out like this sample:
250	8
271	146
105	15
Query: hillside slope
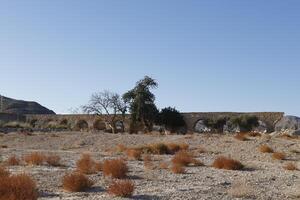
23	107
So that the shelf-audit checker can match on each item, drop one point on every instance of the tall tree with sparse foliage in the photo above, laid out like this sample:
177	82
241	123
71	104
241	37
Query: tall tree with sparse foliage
142	107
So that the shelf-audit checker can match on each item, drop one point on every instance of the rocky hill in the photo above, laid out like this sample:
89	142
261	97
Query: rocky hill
22	107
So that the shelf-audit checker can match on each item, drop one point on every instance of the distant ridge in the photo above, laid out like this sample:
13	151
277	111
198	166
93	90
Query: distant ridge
9	105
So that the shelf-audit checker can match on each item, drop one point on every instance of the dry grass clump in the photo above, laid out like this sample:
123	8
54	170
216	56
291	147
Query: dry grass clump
185	158
13	161
177	169
115	168
17	187
254	134
265	149
76	182
162	148
121	188
3	172
120	148
53	160
148	164
241	136
290	166
164	165
35	158
87	165
227	163
135	154
278	156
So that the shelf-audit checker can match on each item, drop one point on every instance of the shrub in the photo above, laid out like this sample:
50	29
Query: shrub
171	119
18	187
134	154
245	122
216	124
76	182
278	156
227	163
241	136
121	148
53	160
3	172
254	134
115	168
81	125
121	188
159	148
98	166
148	162
290	166
182	158
13	160
35	158
86	164
177	169
164	165
265	149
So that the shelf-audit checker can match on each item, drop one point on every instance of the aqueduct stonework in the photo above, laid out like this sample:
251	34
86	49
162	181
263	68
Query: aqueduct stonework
270	118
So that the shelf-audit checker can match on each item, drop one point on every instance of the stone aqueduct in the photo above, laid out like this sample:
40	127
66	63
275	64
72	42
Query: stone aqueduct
270	118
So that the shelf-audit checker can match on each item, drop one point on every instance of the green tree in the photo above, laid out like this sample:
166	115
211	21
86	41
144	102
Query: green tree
171	119
142	107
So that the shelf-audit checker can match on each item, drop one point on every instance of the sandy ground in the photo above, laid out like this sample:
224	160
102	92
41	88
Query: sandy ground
263	178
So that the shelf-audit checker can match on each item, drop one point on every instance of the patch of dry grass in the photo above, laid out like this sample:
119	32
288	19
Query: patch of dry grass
148	164
53	160
4	172
121	188
177	169
278	156
17	187
265	149
35	158
116	168
254	134
227	163
13	161
241	136
164	165
134	154
86	164
290	166
76	182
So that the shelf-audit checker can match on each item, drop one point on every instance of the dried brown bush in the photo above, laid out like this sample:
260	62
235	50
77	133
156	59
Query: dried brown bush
183	158
265	149
53	160
121	148
278	156
241	136
98	166
159	148
227	163
76	182
183	146
86	164
254	134
3	172
148	164
18	187
115	168
177	169
35	158
290	166
121	188
134	154
13	161
164	165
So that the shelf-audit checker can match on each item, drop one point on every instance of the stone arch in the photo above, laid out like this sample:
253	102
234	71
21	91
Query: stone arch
99	124
200	127
81	124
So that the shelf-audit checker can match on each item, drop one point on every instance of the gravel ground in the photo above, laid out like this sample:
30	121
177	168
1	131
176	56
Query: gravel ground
263	178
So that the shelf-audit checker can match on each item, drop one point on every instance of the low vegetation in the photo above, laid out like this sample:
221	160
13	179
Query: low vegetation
227	163
241	136
17	187
265	149
76	182
35	158
278	156
121	188
177	169
53	160
13	161
87	165
185	158
290	166
116	168
134	154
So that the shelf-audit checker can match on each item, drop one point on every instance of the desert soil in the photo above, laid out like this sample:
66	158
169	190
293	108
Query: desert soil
263	178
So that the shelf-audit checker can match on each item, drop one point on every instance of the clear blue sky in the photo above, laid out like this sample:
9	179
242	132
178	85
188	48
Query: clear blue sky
207	55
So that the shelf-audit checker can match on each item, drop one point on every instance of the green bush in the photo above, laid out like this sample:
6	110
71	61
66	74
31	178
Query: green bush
245	122
216	124
171	119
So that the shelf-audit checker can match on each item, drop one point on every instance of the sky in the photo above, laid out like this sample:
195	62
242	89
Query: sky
206	55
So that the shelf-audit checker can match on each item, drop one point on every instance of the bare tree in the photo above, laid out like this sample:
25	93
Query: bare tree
108	105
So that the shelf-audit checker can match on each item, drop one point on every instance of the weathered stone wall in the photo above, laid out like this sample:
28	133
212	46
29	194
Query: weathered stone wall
270	118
